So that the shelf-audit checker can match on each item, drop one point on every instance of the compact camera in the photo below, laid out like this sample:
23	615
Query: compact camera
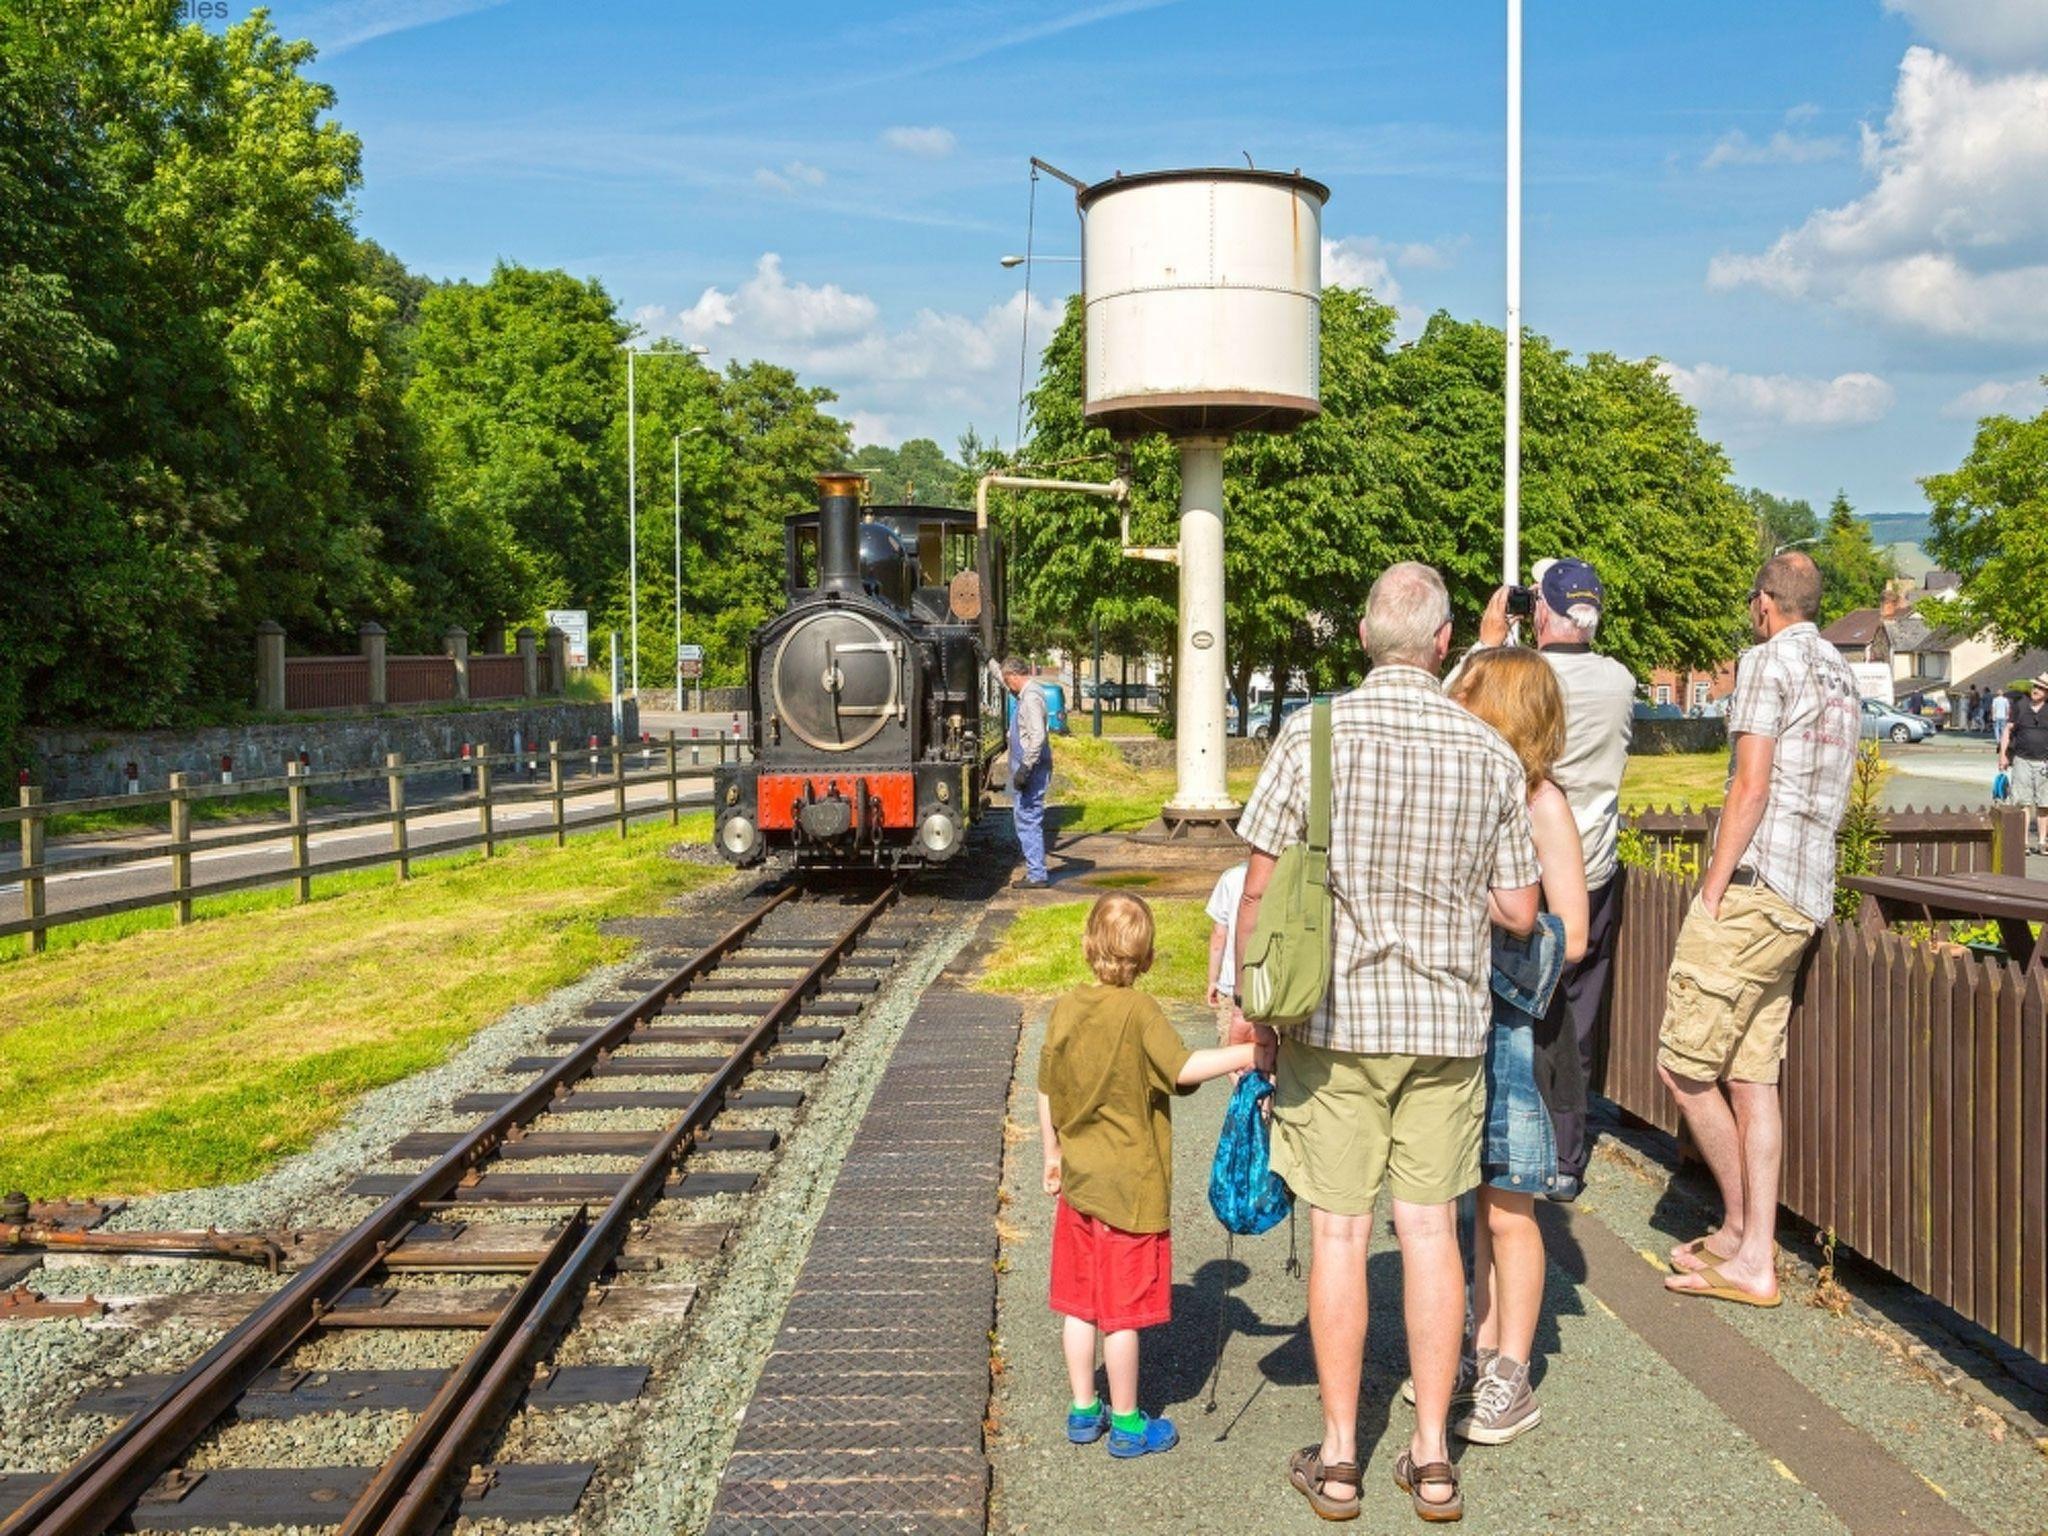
1521	602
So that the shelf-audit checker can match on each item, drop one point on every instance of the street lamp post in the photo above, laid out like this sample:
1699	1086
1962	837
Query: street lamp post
1511	540
677	445
633	500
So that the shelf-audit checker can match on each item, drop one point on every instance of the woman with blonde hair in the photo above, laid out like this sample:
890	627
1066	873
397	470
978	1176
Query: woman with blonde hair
1516	692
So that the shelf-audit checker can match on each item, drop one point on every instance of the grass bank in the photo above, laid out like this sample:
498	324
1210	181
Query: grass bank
1654	782
1103	791
1041	952
183	1057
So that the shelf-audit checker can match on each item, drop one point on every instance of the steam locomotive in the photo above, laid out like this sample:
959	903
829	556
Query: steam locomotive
876	712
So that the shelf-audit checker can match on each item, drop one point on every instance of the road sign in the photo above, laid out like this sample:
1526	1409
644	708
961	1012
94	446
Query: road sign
575	623
692	653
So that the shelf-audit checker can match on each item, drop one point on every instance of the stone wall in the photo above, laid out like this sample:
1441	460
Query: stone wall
1654	737
73	765
1157	752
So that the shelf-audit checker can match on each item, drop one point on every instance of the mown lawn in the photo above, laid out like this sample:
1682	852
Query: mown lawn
1655	782
137	1061
1102	791
1041	952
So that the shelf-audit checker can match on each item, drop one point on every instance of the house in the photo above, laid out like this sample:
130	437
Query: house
1692	690
1926	656
1860	635
2005	671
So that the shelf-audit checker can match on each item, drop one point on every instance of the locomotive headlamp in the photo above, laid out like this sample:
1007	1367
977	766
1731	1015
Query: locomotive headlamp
739	837
939	833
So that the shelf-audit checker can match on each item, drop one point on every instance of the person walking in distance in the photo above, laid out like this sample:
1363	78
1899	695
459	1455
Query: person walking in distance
1030	768
1770	884
1430	846
2000	710
1599	710
2023	752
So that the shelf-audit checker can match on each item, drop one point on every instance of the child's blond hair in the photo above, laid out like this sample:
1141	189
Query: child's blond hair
1118	940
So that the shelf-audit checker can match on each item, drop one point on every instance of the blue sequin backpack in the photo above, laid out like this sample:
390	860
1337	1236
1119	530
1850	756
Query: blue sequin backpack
1244	1192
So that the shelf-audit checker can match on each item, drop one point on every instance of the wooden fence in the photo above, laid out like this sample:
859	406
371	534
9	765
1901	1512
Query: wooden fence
1915	1095
327	682
1916	842
564	775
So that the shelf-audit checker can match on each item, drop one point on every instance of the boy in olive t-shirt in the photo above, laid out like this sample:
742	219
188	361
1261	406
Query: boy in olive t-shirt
1106	1078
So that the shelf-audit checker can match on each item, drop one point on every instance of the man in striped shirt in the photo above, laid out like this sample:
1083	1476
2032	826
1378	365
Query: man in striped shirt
1793	725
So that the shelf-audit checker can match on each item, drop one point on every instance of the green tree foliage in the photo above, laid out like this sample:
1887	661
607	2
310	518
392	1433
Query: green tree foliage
1403	463
1780	521
918	474
1991	528
202	430
1853	570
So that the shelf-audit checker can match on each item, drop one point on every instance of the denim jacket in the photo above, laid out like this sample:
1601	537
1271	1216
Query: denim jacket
1520	1150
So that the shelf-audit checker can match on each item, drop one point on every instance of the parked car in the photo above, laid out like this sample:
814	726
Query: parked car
1645	711
1263	724
1882	720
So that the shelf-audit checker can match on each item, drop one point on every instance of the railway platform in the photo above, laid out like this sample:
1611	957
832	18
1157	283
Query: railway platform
916	1385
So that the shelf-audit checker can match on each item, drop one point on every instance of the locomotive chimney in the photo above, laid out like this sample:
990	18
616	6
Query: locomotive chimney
839	533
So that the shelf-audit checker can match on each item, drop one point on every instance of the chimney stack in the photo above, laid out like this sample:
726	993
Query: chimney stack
839	533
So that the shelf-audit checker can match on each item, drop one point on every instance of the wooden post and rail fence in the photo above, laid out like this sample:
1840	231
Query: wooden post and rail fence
556	784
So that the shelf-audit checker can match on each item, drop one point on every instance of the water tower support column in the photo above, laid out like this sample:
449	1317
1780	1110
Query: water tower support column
1202	793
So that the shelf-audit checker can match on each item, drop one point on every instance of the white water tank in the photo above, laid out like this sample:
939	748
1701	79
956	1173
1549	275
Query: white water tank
1204	295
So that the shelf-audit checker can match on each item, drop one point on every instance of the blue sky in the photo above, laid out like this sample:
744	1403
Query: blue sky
1828	218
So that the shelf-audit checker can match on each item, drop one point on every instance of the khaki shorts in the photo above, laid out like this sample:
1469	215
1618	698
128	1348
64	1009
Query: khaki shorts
1343	1122
1730	990
2030	783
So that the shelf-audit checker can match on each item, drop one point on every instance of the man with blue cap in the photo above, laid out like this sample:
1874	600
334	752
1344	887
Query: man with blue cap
1599	706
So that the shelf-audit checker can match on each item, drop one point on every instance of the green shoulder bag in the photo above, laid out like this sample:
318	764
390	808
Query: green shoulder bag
1287	958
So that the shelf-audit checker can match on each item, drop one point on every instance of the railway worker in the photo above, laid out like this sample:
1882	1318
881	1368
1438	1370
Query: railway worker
1030	768
1793	725
1431	848
1599	708
1107	1075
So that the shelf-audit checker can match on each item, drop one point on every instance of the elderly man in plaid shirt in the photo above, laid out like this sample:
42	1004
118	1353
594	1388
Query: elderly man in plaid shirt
1429	846
1793	722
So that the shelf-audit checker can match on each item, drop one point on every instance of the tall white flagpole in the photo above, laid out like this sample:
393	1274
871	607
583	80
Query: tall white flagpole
632	521
1511	543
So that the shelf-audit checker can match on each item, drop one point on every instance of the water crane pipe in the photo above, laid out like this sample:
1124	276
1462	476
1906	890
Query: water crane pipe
1117	488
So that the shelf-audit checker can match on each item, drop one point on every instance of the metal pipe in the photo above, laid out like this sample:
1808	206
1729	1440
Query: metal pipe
1117	488
1511	540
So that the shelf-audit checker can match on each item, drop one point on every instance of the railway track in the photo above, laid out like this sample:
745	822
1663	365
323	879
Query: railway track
137	1476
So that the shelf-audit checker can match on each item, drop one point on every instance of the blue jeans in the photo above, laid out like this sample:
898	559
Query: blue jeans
1519	1149
1028	811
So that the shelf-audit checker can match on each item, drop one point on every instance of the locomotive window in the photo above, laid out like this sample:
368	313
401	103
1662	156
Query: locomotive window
806	571
959	551
931	570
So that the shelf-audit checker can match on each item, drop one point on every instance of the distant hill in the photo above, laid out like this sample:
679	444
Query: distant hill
1898	527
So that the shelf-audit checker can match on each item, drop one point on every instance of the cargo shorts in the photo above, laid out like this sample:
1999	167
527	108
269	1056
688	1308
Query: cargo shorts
1344	1123
1729	994
2030	783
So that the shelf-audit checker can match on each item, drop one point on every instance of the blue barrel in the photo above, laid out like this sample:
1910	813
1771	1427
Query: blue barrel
1055	707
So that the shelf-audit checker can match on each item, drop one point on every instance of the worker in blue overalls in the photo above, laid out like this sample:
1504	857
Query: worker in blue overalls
1030	768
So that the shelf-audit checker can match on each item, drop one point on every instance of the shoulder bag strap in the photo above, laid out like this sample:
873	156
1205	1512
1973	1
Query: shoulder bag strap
1319	778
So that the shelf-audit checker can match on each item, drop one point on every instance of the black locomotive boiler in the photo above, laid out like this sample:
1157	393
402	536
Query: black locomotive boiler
875	709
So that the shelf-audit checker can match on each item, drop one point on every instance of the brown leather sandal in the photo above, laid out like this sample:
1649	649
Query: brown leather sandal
1307	1471
1410	1479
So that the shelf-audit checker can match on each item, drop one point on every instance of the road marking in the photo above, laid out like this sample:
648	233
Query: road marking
1787	1473
1656	1261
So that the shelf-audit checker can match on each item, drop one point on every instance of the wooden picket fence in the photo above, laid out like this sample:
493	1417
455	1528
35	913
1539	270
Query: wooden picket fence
572	774
1916	1102
1916	842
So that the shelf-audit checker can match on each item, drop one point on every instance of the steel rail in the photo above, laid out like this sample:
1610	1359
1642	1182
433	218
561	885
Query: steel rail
437	1460
90	1495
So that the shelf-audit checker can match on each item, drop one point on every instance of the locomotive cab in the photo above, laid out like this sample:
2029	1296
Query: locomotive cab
872	714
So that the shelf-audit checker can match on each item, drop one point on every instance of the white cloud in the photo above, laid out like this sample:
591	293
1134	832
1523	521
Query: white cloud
924	143
1368	262
1804	112
1781	148
1995	397
338	27
1747	401
2000	33
1949	240
793	175
930	375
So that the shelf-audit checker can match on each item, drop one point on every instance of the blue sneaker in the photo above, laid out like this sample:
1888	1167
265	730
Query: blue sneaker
1086	1428
1152	1435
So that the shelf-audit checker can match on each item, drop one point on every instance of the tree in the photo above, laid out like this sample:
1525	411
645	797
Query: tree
916	474
1853	570
1991	528
1780	521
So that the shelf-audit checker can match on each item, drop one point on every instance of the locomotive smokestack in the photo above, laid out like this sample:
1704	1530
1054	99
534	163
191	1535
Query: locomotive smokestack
839	533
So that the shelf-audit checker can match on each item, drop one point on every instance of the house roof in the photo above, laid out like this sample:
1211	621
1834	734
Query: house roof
2008	669
1912	634
1856	627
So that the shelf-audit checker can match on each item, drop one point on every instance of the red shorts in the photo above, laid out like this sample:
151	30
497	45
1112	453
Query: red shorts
1109	1277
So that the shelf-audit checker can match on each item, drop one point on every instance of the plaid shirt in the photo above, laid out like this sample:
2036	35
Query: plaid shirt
1796	688
1429	809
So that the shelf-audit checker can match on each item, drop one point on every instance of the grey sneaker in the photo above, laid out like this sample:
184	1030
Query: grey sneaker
1470	1368
1502	1405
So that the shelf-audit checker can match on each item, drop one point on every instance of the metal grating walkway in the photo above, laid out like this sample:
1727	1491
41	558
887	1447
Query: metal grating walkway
868	1414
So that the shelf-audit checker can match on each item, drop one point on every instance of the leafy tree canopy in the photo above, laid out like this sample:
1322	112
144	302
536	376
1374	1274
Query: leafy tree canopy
917	474
1853	570
1991	528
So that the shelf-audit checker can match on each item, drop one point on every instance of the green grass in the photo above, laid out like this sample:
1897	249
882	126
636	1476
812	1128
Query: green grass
1105	792
1659	780
136	1058
1115	722
1041	952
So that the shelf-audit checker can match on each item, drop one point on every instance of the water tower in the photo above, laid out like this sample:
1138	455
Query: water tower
1204	293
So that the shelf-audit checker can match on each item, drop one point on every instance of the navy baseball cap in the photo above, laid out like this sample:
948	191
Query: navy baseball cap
1565	583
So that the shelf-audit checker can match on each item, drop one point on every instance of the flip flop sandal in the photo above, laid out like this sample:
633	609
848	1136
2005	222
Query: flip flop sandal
1412	1479
1307	1471
1698	1246
1717	1288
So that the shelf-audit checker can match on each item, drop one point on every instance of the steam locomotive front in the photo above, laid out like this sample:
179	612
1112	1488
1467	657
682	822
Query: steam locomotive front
840	695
